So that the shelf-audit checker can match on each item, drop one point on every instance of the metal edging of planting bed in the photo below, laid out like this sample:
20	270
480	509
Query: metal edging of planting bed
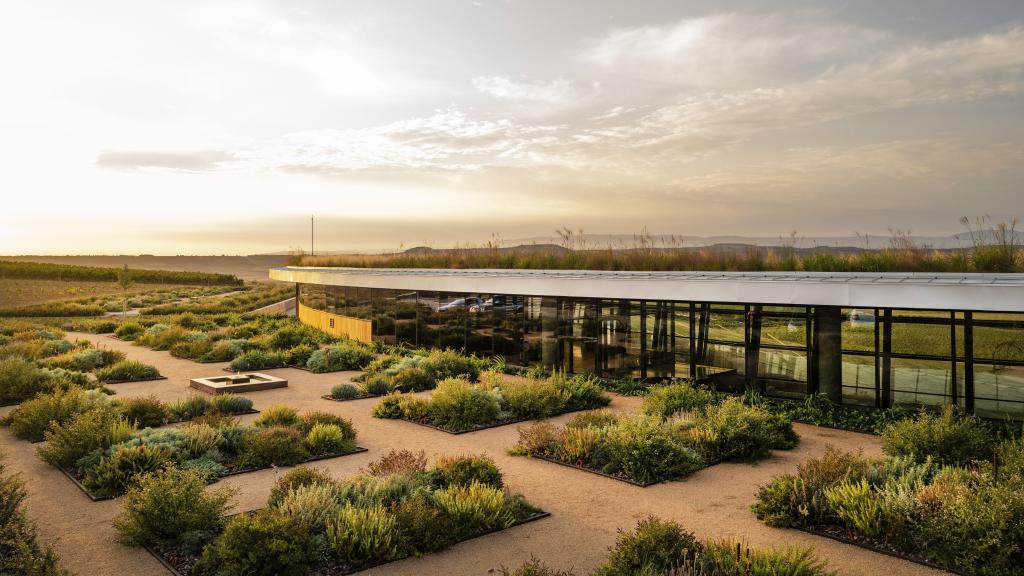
527	520
367	397
597	472
892	553
153	379
358	450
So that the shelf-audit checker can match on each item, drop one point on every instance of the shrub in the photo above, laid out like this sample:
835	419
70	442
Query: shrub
340	357
580	392
34	417
398	462
327	439
312	506
664	401
361	535
299	355
948	438
310	419
192	407
857	506
224	351
534	567
727	558
594	418
258	360
344	392
21	379
192	350
731	430
444	364
265	544
148	412
114	473
389	407
278	415
55	347
276	445
301	476
378	386
230	404
537	440
127	371
201	440
648	450
457	405
171	506
408	380
20	553
474	507
653	548
129	331
532	399
423	527
85	433
465	470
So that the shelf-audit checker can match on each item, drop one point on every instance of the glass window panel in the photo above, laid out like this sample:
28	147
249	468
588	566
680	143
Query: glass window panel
999	391
921	382
858	379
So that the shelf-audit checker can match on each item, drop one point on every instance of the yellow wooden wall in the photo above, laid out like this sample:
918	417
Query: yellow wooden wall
353	328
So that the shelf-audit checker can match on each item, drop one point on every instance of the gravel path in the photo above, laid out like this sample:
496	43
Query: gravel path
586	509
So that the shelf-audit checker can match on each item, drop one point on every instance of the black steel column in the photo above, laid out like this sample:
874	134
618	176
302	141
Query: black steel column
752	352
952	353
693	345
886	358
969	362
828	351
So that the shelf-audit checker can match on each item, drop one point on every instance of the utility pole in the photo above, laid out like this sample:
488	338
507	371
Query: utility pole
311	235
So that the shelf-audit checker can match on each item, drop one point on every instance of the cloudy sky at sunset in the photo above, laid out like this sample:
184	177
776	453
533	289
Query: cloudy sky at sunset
202	127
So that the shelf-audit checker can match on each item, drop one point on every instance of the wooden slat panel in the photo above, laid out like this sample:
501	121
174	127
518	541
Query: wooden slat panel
335	325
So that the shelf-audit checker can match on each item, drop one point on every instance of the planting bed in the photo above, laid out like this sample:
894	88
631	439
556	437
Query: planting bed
395	509
458	407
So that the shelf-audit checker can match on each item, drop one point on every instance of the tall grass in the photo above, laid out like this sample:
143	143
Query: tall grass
995	248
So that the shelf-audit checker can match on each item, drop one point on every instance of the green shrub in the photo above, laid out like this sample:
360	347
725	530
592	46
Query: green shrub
20	552
258	360
275	445
389	407
465	470
378	385
230	404
361	535
344	392
408	380
474	507
192	350
732	430
21	379
398	462
653	548
857	506
339	357
534	567
667	400
114	473
327	439
299	355
262	544
278	415
129	331
444	364
301	476
55	347
84	433
201	440
148	412
127	371
171	506
312	506
423	527
458	405
537	440
531	399
34	417
310	419
224	351
948	438
594	419
580	392
648	450
192	407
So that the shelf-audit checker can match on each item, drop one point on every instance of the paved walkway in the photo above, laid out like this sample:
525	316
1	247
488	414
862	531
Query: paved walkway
586	509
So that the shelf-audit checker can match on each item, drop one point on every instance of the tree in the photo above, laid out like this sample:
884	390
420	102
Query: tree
125	281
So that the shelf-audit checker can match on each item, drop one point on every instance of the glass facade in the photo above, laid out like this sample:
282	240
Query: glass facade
867	357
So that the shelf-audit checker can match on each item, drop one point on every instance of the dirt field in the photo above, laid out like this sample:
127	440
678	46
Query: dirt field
586	509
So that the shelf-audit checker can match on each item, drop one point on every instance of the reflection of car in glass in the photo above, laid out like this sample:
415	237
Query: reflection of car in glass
468	302
859	318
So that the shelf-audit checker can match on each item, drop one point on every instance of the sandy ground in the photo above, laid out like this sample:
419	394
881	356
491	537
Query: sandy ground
586	509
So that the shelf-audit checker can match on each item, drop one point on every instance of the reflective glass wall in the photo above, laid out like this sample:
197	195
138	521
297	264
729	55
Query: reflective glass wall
867	357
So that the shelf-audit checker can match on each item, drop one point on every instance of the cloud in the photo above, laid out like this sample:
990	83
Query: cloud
202	161
555	91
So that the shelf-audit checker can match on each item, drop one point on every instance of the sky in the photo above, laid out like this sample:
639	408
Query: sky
219	128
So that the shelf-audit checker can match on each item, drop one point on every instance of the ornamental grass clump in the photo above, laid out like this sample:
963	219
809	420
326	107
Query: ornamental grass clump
345	356
127	371
670	399
948	437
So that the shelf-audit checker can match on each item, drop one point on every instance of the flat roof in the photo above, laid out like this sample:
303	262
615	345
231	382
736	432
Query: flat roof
941	291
